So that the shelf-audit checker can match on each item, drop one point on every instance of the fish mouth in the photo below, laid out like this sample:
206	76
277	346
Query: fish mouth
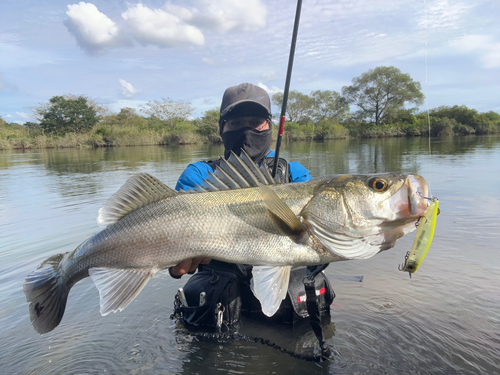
410	201
418	193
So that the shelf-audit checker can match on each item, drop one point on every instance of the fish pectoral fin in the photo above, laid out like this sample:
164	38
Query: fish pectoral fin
270	285
139	190
286	219
118	287
344	245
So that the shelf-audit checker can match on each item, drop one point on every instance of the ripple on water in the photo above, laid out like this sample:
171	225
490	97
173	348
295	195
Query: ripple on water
445	322
386	306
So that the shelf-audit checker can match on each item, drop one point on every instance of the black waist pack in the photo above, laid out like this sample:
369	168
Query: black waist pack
294	308
218	293
211	297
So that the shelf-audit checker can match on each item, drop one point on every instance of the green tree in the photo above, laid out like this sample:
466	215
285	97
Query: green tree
481	123
298	107
460	113
381	91
33	128
492	116
328	105
167	111
127	117
67	114
208	125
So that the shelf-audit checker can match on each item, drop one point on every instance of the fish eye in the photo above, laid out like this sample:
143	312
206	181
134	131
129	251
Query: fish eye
378	184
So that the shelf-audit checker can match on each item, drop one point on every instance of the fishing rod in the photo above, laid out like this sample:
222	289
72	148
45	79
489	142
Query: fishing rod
309	281
287	87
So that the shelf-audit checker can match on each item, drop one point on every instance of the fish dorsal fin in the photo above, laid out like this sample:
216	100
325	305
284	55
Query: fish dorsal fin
236	173
226	178
244	169
118	287
254	169
233	173
198	189
216	182
270	285
139	190
208	186
267	175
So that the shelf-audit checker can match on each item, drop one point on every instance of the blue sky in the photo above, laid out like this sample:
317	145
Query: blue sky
124	54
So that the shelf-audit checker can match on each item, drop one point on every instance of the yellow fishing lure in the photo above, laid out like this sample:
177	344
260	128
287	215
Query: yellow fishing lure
423	238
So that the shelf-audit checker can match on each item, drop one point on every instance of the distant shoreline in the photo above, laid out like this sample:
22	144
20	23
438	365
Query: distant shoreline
73	140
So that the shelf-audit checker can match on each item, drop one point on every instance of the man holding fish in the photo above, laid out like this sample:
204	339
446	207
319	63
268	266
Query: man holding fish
244	124
238	215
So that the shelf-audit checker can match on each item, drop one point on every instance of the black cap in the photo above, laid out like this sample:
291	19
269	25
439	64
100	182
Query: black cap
244	100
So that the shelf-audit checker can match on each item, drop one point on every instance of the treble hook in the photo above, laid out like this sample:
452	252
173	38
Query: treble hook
401	267
419	219
432	198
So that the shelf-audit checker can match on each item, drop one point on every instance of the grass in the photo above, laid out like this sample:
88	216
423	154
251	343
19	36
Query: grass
112	135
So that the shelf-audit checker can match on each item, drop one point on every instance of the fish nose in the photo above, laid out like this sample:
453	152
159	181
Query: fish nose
417	191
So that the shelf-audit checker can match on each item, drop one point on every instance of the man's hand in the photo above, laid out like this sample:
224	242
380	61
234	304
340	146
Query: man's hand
187	266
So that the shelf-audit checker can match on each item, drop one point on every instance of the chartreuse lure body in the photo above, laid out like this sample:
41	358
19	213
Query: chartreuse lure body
423	238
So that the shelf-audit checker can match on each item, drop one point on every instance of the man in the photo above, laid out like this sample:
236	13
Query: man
245	123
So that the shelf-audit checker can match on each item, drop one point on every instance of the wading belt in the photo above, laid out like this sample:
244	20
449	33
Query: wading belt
313	308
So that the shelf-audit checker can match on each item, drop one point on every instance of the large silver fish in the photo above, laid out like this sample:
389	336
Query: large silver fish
238	215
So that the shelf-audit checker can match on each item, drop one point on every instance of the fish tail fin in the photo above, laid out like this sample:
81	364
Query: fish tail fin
47	293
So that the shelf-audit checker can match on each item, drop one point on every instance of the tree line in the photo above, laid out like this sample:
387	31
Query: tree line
379	103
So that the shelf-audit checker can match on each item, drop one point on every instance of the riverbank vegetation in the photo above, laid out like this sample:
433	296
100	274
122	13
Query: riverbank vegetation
382	102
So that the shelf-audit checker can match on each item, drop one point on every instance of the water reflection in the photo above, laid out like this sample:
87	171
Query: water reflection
341	156
444	320
230	355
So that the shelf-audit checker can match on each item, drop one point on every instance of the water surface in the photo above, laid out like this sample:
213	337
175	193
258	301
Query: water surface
446	319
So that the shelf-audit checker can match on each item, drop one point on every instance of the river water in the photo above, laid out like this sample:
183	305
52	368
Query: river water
445	320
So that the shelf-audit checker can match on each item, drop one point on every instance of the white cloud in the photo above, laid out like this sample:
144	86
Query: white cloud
179	11
225	15
160	28
24	116
9	116
314	77
492	57
10	38
213	62
169	26
484	45
93	30
269	76
270	90
445	14
127	89
117	105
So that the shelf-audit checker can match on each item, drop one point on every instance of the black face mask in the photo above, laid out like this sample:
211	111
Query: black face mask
255	143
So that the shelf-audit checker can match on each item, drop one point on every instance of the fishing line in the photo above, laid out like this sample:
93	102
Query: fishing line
426	102
431	197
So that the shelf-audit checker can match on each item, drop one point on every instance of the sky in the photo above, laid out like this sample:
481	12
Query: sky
127	53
